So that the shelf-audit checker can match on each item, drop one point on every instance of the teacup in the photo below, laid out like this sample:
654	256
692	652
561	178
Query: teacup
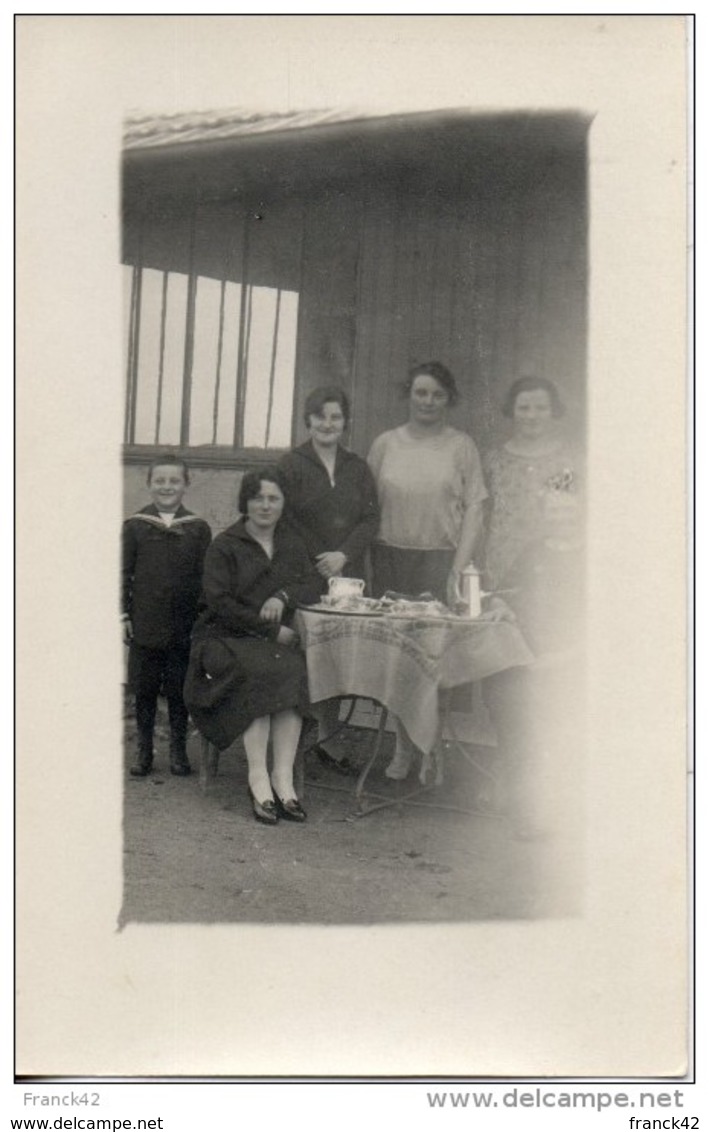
345	587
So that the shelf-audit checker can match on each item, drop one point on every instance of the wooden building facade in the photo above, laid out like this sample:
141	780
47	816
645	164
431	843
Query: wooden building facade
266	256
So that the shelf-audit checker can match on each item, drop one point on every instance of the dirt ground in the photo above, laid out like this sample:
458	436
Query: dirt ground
198	857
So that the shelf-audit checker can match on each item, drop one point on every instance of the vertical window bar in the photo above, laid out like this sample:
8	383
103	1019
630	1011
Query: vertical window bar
134	351
247	340
241	356
189	339
130	367
161	364
218	378
272	374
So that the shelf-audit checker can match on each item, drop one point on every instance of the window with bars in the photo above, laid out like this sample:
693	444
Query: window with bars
210	362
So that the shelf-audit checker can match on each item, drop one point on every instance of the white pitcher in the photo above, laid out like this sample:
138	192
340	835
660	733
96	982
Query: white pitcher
470	591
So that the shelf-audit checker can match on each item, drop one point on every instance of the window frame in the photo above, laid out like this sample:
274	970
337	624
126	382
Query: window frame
204	456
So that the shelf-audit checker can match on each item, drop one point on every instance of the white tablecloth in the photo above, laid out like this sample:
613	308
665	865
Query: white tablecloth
403	663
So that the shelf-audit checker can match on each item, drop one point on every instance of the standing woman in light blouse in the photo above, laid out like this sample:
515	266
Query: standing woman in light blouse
431	491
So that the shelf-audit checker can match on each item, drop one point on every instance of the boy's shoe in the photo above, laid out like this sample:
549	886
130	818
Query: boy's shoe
179	763
143	766
400	766
144	754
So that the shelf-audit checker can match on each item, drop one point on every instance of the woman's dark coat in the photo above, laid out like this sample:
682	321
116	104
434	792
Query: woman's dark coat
238	671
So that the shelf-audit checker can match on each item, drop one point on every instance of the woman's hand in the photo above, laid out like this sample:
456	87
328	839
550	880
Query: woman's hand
127	626
272	610
330	563
286	636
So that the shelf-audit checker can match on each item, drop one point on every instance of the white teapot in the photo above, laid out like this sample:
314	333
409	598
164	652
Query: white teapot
345	587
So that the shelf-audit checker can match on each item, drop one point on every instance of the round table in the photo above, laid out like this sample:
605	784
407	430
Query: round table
404	664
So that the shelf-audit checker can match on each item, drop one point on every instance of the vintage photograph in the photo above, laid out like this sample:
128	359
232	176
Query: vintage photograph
353	554
352	522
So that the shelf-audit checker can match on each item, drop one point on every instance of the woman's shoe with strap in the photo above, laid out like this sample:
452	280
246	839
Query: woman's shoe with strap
290	810
264	812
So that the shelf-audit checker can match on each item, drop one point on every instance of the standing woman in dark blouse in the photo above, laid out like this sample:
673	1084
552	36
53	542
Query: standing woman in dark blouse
331	501
331	496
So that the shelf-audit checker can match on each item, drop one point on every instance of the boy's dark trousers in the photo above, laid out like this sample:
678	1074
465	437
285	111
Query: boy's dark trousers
150	671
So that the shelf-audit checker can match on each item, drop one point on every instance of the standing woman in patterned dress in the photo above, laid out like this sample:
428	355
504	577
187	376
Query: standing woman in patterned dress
518	471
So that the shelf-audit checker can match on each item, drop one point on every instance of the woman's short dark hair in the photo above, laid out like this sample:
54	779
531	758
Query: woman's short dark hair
251	484
168	458
531	385
442	375
316	401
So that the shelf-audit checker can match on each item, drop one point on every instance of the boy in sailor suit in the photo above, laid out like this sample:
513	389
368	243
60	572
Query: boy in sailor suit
163	552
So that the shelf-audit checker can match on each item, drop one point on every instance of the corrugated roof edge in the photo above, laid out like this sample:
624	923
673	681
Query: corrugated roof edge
146	131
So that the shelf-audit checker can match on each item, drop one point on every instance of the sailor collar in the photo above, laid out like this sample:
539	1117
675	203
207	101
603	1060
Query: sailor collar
151	516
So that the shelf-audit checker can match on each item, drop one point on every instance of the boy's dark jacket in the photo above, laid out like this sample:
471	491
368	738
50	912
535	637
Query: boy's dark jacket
162	574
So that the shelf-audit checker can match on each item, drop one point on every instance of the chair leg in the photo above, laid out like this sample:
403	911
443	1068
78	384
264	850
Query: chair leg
299	774
209	764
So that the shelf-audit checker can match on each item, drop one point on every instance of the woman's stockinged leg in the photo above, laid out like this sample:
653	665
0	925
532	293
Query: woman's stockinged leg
285	731
255	740
404	752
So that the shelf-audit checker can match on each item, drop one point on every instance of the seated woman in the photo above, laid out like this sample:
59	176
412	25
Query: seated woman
246	677
332	504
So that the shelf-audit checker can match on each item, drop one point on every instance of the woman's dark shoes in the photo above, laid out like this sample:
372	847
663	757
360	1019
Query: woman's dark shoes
290	810
180	769
342	766
265	812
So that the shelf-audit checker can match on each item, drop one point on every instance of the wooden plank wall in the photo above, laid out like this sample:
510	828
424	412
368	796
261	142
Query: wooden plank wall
493	284
487	275
327	312
162	240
